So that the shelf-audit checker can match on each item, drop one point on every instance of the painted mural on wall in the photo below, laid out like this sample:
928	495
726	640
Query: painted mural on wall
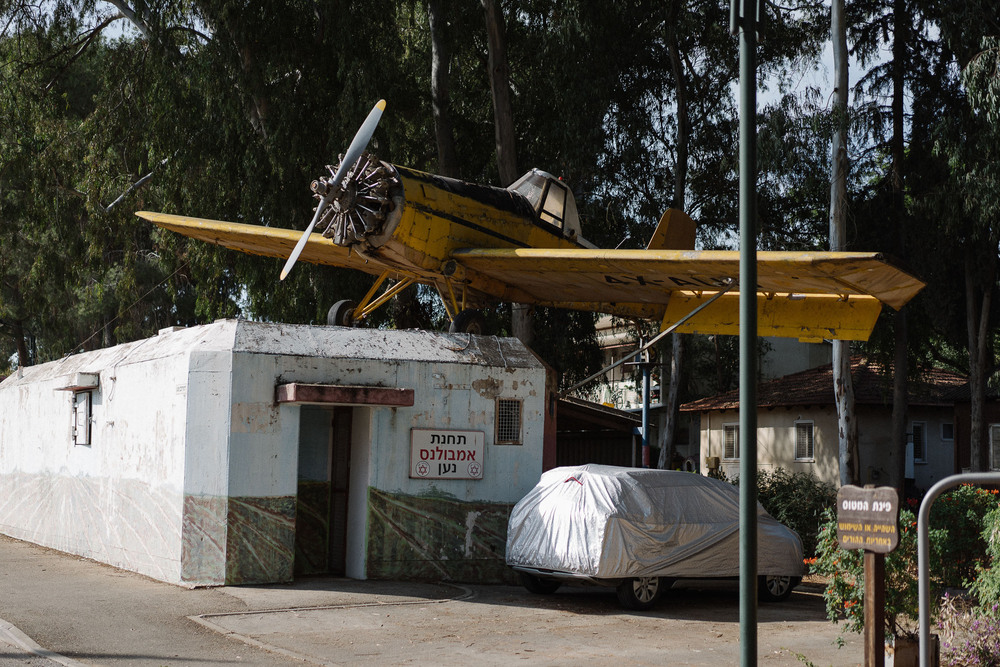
260	542
312	528
436	538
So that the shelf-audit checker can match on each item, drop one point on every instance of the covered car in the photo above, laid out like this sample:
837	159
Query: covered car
640	530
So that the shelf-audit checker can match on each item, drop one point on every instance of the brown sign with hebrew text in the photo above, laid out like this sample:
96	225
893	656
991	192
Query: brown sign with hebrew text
868	518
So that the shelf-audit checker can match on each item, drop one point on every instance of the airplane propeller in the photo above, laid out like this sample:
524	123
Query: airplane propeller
354	152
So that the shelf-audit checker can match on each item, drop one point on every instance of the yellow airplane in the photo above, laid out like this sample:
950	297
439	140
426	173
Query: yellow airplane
477	244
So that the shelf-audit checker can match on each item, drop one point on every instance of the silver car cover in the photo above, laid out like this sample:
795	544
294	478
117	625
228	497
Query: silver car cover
610	522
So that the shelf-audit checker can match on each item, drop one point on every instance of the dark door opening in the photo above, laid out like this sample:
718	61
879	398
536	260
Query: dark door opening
321	507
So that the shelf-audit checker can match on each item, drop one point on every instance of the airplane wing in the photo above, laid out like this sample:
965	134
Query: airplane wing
807	295
261	240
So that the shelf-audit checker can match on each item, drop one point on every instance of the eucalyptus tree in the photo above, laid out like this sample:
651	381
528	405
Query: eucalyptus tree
43	103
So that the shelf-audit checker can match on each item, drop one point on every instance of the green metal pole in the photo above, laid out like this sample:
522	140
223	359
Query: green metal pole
748	333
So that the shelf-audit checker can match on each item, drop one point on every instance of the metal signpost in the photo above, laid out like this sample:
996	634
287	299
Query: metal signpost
868	518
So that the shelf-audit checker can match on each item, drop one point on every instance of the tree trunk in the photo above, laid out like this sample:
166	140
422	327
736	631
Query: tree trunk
668	436
847	426
23	358
440	90
522	322
897	446
668	441
503	112
977	326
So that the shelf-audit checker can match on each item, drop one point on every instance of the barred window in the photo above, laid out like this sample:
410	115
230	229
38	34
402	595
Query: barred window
731	436
919	430
994	446
804	444
81	418
508	421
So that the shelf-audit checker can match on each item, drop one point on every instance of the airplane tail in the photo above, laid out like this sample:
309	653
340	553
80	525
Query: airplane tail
675	231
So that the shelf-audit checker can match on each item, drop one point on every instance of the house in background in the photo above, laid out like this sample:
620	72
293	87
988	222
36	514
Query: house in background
797	425
991	427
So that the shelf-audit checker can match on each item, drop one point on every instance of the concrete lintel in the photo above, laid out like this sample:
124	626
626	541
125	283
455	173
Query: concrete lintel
330	394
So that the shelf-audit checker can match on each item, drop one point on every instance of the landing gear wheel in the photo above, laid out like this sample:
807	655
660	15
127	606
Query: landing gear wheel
640	593
470	321
341	314
775	588
539	585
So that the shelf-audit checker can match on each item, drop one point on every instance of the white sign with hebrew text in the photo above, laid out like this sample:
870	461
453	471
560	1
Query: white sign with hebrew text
446	454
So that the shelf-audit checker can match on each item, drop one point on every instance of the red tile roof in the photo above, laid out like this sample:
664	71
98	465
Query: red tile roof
815	387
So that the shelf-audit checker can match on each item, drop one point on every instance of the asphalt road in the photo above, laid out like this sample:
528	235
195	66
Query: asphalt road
57	609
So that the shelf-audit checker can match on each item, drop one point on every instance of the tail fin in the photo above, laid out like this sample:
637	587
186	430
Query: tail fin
675	231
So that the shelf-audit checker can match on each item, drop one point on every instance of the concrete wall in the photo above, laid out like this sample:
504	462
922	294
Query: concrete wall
119	500
391	533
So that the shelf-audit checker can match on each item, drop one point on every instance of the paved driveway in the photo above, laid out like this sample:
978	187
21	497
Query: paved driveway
91	614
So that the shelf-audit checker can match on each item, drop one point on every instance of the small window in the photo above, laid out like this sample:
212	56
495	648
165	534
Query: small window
508	421
994	446
947	431
81	418
731	434
919	431
804	443
554	205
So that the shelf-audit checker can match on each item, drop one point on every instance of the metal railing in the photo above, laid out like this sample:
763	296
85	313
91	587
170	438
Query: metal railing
923	549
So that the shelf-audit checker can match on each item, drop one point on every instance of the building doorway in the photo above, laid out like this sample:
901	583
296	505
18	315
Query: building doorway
323	490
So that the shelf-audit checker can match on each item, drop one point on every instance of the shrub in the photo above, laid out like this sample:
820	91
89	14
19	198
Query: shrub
968	637
797	500
957	550
844	569
986	586
961	514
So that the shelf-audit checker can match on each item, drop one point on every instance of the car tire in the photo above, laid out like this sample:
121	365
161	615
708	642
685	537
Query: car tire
640	593
539	585
775	588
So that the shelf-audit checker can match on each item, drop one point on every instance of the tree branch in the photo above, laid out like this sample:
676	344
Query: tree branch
84	43
134	19
135	186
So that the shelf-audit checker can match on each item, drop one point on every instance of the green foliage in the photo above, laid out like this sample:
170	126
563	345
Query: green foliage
969	635
798	500
844	570
961	517
986	584
956	552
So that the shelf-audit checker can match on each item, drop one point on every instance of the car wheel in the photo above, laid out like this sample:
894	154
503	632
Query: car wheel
468	321
341	314
539	585
775	588
640	593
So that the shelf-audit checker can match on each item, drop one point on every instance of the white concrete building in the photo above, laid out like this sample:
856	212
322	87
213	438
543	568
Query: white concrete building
244	452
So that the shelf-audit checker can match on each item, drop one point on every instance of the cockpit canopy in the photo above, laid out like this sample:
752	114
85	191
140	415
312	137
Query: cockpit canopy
553	202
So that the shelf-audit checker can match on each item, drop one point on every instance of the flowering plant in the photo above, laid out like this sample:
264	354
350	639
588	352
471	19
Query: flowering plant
968	637
844	571
958	548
